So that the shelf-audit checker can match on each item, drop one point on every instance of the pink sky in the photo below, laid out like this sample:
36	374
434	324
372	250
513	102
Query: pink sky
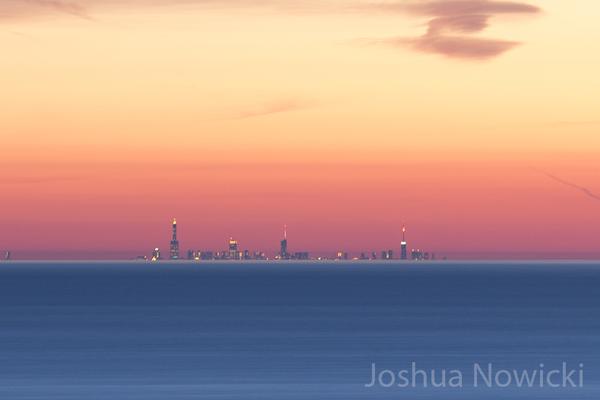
473	122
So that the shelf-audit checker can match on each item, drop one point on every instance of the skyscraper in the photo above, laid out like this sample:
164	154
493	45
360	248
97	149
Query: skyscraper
193	255
283	252
417	255
403	255
174	248
156	254
234	252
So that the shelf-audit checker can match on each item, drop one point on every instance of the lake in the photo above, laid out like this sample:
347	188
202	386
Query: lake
135	330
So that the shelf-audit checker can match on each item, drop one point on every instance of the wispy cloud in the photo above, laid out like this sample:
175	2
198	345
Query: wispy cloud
274	107
450	26
465	7
455	46
453	21
24	8
582	189
61	6
83	8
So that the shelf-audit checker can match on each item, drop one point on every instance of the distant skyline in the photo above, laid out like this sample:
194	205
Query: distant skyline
173	251
474	122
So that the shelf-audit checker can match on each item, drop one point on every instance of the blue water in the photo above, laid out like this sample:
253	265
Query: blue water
290	331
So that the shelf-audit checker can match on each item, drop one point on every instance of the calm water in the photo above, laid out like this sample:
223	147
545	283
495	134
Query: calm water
285	331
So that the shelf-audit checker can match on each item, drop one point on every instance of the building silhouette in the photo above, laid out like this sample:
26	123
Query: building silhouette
193	255
156	254
174	247
403	254
302	255
234	252
283	245
417	255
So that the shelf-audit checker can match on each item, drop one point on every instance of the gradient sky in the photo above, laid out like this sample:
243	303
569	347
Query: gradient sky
474	122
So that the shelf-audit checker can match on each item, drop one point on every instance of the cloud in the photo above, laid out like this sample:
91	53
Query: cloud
11	9
453	21
582	189
25	8
459	23
457	46
275	107
61	6
466	7
450	27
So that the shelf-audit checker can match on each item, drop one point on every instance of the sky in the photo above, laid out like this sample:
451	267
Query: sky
473	122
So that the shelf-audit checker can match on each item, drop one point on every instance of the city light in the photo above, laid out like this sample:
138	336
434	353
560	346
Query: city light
233	252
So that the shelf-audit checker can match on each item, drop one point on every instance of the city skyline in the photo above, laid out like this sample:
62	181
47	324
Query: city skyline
235	252
399	249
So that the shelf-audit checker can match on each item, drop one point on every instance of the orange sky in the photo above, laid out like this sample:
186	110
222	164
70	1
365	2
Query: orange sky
477	128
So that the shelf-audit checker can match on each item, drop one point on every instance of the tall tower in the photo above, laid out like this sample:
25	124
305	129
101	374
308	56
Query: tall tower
403	255
283	252
234	250
174	248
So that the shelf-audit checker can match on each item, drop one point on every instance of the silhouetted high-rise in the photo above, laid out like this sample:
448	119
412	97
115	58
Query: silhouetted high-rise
174	247
403	255
283	251
234	252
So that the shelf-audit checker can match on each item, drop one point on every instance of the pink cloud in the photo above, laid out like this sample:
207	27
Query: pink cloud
462	47
467	7
459	23
451	23
22	8
83	8
274	107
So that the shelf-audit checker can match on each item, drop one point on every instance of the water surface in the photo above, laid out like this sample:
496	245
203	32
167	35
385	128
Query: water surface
289	331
